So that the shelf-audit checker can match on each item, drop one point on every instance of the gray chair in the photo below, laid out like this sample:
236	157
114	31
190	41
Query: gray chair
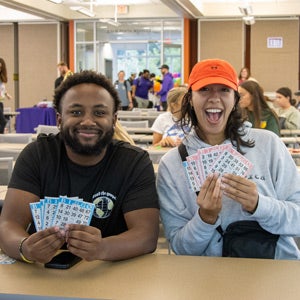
6	168
47	129
14	153
135	124
129	113
18	138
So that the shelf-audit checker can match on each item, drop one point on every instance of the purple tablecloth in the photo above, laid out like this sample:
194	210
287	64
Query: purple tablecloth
30	117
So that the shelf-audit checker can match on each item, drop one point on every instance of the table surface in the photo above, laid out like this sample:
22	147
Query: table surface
142	138
290	140
11	113
292	132
3	189
159	276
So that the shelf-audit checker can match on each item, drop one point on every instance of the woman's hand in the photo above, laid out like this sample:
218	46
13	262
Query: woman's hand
241	190
210	199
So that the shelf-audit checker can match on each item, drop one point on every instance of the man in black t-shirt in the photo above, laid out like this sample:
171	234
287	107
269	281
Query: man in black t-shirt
83	161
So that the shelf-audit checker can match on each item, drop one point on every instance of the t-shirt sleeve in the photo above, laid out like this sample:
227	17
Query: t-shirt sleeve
158	125
128	86
141	192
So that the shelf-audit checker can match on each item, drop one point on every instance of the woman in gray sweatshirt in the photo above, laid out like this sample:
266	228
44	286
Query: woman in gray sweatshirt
268	191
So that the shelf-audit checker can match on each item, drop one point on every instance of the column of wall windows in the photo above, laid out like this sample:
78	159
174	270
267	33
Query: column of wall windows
132	47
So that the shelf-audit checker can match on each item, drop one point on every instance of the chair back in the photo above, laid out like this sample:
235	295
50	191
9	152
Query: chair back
14	153
135	124
47	129
18	138
129	113
6	167
154	113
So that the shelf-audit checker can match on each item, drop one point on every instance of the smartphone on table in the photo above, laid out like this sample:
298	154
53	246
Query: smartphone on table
63	260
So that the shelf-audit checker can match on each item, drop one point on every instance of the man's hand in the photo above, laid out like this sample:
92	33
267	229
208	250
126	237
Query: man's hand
84	241
43	245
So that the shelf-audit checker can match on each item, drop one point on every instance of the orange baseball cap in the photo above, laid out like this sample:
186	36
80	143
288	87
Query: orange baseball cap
213	71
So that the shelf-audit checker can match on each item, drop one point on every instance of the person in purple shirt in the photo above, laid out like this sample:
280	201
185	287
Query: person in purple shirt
167	84
140	89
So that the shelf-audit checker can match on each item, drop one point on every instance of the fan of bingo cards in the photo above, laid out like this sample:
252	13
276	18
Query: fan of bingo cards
220	158
60	211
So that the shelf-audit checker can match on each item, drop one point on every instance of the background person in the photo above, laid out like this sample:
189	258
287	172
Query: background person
166	85
289	116
131	78
297	98
255	108
64	72
270	195
123	88
244	75
3	93
83	160
140	89
121	134
167	132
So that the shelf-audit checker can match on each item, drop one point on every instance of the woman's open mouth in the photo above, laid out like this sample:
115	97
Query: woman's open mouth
213	114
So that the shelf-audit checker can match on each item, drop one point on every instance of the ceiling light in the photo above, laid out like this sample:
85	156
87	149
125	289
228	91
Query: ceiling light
83	10
246	10
56	1
114	23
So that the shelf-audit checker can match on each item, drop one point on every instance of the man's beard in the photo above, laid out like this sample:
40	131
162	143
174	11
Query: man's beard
74	143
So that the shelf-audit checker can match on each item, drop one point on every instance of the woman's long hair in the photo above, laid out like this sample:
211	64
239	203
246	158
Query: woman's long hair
3	71
258	102
233	130
248	73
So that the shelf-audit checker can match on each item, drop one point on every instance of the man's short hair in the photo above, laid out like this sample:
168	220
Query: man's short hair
62	64
81	78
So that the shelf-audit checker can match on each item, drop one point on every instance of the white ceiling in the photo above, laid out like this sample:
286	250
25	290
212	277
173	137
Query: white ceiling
37	10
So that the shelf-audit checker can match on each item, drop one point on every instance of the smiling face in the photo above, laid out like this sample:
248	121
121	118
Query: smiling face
87	118
121	76
213	104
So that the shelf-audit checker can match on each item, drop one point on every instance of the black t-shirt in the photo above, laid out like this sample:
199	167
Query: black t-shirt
58	81
123	181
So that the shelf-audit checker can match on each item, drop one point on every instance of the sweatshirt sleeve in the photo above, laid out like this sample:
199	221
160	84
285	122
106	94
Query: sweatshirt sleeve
293	120
278	208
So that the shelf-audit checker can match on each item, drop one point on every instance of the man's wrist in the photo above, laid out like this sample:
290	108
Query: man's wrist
23	257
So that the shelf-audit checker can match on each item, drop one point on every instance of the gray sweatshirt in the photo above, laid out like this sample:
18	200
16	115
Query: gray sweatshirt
278	210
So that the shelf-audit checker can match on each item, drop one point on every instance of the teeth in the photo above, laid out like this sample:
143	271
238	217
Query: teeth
213	110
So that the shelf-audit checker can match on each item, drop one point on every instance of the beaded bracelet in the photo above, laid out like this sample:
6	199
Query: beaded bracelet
21	252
